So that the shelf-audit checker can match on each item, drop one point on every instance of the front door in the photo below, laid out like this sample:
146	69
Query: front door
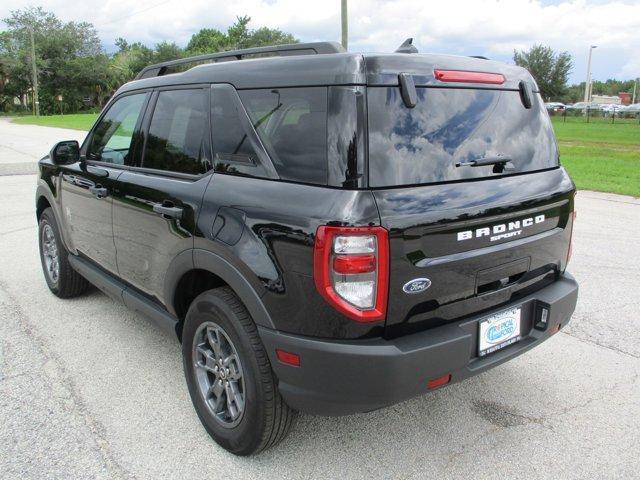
157	205
88	186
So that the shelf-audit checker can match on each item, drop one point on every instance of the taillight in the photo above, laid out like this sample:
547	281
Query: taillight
351	270
462	76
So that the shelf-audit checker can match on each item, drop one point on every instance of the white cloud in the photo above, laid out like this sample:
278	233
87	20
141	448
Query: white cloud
631	69
483	27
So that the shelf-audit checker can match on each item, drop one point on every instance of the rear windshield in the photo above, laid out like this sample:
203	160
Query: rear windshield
422	145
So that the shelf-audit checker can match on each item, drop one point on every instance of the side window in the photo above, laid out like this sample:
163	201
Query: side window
236	148
112	138
292	124
176	133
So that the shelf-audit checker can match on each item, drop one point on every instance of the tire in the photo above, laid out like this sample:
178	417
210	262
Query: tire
62	279
264	419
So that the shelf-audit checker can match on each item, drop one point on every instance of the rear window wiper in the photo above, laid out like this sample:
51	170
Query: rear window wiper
505	163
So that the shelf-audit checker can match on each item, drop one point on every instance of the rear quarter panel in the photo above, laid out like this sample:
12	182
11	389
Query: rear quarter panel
267	230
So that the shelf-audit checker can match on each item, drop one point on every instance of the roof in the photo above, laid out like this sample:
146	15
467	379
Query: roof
333	69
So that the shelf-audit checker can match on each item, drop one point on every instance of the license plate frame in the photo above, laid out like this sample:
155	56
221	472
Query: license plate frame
499	330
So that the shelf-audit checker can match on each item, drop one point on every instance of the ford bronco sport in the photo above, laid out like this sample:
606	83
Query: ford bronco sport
324	232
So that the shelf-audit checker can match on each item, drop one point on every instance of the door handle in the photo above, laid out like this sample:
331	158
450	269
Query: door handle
98	192
167	211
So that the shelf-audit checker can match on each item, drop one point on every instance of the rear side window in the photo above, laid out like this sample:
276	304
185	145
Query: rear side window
236	148
176	134
292	125
447	126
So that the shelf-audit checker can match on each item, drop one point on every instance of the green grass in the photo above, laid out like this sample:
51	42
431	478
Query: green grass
601	156
75	121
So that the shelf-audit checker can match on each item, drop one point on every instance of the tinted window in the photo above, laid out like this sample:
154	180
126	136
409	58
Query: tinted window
176	133
112	138
292	124
448	126
236	148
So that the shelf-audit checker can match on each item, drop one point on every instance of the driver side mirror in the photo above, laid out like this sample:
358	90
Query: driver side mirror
64	153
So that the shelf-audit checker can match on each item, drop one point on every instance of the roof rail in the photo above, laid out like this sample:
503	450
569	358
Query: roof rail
291	49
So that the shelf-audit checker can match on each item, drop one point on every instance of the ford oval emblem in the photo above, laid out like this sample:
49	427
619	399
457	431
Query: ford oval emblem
417	285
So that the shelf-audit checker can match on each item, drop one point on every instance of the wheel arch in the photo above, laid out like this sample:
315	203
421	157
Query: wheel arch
45	199
42	203
195	271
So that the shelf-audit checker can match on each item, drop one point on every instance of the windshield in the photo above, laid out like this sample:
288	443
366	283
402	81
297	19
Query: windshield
449	126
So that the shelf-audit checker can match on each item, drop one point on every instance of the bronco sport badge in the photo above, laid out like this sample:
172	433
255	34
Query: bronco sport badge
501	231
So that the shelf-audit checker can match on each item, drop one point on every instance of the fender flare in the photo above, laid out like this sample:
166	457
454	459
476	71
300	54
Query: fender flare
42	190
205	260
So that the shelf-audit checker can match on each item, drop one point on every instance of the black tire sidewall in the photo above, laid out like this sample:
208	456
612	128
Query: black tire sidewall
244	438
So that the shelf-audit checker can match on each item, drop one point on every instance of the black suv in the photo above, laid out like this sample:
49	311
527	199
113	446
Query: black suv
325	232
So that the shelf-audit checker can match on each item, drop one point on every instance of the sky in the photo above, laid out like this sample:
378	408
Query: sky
492	28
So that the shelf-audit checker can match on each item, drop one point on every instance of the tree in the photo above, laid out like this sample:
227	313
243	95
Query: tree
71	62
165	51
238	35
264	36
69	58
550	70
131	58
207	40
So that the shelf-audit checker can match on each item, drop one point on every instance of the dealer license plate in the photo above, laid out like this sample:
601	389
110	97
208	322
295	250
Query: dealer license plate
499	331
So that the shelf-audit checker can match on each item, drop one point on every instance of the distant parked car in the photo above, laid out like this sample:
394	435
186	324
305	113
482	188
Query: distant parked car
555	106
583	105
612	108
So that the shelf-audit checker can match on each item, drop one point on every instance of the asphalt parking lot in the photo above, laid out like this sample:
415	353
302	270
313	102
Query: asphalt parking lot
90	389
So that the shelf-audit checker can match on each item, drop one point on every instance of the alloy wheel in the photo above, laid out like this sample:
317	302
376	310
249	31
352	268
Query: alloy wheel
219	374
50	253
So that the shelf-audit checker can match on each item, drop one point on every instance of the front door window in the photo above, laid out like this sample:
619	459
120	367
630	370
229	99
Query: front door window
112	138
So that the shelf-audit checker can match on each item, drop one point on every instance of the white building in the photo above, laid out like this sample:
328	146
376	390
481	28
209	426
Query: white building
605	99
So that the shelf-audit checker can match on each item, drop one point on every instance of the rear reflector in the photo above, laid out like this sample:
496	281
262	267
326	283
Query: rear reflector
438	382
288	357
462	76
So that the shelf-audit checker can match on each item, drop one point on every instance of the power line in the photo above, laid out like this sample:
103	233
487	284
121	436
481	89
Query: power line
133	13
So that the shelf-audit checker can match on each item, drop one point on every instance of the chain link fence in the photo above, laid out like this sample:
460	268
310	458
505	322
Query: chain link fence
596	115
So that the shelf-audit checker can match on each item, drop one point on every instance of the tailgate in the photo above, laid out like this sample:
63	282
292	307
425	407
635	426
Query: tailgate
480	244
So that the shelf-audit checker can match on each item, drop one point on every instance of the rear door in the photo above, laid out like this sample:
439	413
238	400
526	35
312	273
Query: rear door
157	205
481	235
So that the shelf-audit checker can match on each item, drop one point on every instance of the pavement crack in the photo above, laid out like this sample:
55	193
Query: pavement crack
609	309
594	342
54	366
503	416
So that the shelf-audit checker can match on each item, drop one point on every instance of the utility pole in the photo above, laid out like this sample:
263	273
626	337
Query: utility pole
34	68
587	85
345	25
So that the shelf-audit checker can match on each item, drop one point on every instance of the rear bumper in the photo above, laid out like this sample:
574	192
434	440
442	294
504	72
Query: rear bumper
343	377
